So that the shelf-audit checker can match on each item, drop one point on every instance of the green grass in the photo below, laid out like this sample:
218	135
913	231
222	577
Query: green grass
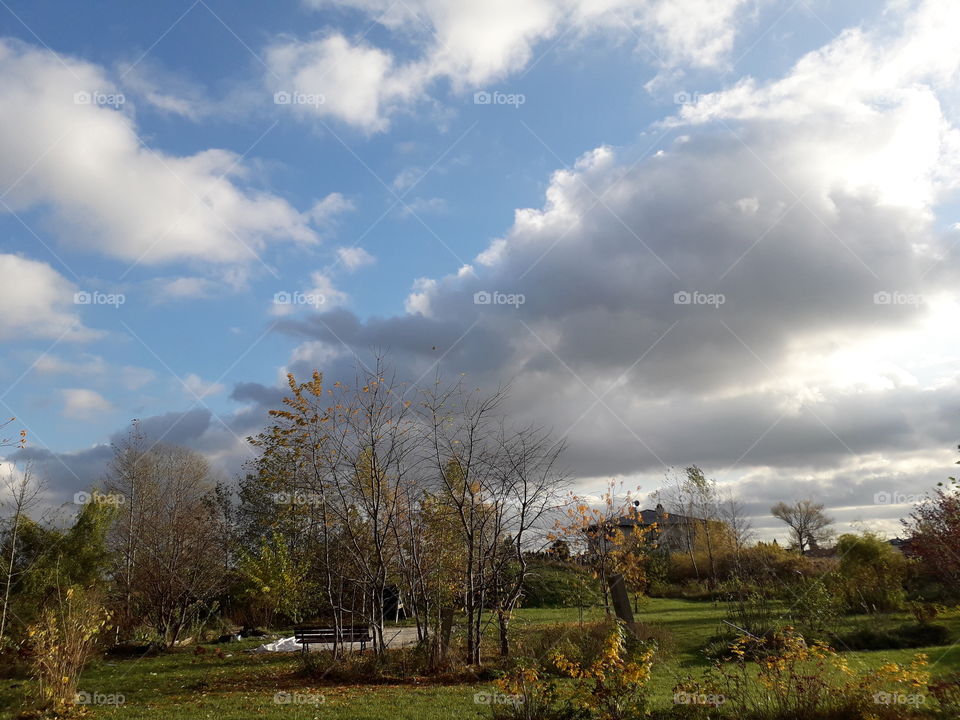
242	686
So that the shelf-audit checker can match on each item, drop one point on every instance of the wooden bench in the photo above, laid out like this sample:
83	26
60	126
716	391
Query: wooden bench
327	634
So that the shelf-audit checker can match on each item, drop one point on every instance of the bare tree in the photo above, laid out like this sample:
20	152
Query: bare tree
371	455
168	534
127	478
741	528
809	525
460	428
22	493
528	487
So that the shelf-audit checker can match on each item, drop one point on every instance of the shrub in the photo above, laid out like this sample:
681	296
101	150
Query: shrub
612	686
870	637
795	680
62	643
752	612
392	665
871	573
946	690
559	585
525	695
815	608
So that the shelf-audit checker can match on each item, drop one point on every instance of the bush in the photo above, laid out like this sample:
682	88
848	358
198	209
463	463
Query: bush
391	666
816	609
62	643
871	573
946	690
795	680
609	671
559	585
910	635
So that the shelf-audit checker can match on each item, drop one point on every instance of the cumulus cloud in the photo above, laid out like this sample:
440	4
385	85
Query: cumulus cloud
757	297
354	257
70	145
200	388
95	367
37	302
84	404
468	44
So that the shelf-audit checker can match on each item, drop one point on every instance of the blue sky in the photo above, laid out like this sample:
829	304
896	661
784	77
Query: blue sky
795	157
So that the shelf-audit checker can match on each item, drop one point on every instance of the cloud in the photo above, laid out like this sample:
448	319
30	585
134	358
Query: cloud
70	145
37	302
200	388
469	44
354	257
165	91
330	76
84	404
325	211
424	206
763	296
183	288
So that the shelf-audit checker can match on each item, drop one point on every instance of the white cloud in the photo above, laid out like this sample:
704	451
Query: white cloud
357	84
67	148
165	91
888	86
800	217
37	302
84	404
418	301
184	288
200	388
134	378
472	43
424	206
50	364
322	286
93	366
355	257
325	210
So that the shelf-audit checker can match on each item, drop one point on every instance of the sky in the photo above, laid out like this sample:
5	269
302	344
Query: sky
719	232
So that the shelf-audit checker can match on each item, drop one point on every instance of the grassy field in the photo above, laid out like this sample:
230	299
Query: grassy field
239	685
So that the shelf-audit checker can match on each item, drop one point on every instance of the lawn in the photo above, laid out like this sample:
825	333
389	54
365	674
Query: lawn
241	685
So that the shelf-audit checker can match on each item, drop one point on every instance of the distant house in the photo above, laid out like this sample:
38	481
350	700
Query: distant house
905	546
672	531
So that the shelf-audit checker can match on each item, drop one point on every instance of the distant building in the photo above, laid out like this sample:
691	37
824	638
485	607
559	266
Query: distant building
672	531
904	545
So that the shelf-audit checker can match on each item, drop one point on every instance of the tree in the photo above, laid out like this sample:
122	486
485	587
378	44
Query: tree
934	531
274	582
22	493
607	548
167	538
809	525
872	573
